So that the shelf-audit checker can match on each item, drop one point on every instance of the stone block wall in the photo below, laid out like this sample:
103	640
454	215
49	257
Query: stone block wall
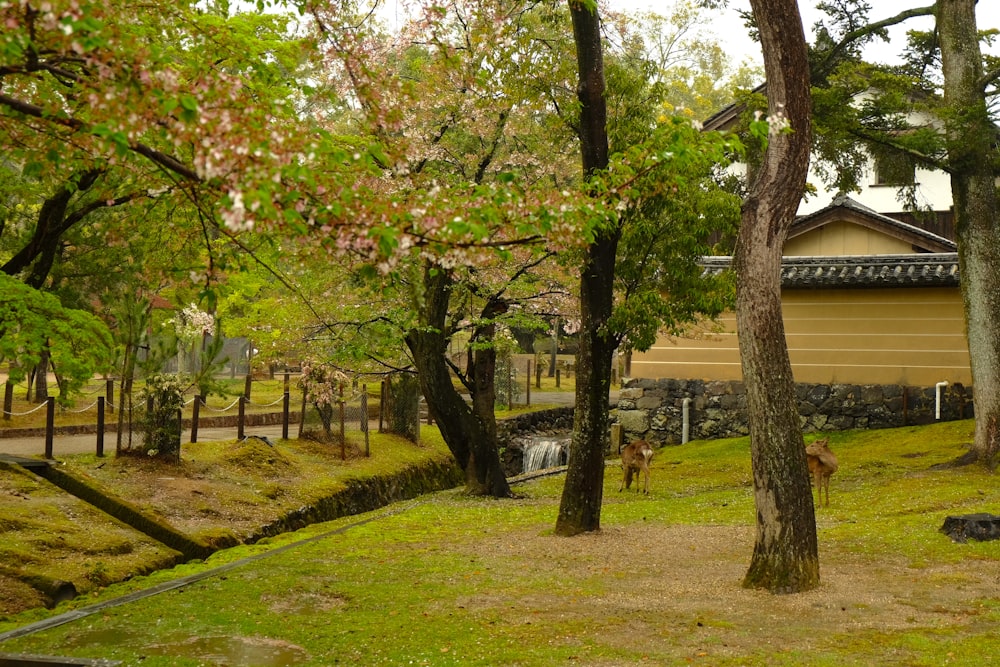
653	409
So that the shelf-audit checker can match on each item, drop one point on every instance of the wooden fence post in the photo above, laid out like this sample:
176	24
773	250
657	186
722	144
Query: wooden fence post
195	414
8	399
364	416
286	402
527	385
302	417
109	391
510	388
242	414
50	425
383	404
100	426
343	436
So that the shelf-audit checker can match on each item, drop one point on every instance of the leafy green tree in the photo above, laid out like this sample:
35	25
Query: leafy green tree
33	323
639	274
697	75
935	111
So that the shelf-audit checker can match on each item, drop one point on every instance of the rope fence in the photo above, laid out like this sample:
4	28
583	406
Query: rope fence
330	424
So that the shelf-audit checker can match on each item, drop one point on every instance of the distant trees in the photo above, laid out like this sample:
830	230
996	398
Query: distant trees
35	325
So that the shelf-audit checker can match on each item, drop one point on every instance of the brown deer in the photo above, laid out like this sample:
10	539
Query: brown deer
635	458
822	464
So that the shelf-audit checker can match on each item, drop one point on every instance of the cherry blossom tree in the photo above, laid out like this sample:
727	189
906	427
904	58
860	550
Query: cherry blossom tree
321	383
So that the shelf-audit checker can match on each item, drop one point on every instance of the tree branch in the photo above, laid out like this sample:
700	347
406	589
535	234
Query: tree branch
854	35
167	162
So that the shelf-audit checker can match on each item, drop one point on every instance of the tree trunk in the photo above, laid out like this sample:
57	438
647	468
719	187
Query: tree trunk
580	507
42	377
469	434
970	136
40	251
785	557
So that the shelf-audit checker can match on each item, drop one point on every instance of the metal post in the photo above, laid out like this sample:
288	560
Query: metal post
109	390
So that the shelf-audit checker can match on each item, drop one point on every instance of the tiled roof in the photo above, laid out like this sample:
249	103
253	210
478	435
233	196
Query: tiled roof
843	206
914	270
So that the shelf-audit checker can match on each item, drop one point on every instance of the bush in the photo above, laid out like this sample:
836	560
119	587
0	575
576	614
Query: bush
160	424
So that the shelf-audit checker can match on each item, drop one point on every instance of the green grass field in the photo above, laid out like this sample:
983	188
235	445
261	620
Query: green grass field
454	580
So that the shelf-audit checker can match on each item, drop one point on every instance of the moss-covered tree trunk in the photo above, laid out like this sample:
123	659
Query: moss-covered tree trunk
970	138
785	557
580	506
470	434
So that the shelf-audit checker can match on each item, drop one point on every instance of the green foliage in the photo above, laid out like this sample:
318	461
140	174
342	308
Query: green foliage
160	423
671	210
31	322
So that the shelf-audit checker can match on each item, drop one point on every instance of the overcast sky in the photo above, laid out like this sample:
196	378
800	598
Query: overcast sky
731	33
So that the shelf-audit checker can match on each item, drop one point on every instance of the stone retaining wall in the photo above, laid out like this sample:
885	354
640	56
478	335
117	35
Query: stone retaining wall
653	409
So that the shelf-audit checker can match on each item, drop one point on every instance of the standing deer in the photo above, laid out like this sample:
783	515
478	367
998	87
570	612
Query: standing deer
635	458
822	464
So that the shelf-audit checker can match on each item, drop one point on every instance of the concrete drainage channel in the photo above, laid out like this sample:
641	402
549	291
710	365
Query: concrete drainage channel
23	660
14	660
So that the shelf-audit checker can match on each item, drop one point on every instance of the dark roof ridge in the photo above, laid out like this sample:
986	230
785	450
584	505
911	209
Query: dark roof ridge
939	269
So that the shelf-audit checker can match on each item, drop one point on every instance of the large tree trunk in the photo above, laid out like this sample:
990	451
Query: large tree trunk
785	557
580	507
970	137
470	435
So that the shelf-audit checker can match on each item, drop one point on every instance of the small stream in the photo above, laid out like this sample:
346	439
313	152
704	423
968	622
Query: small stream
541	452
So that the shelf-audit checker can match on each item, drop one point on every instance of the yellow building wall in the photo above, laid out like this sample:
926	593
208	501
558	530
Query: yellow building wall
842	238
909	336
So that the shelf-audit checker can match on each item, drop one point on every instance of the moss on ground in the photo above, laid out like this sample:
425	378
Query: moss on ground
221	494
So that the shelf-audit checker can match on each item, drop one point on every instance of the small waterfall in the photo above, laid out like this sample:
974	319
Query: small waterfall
543	453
